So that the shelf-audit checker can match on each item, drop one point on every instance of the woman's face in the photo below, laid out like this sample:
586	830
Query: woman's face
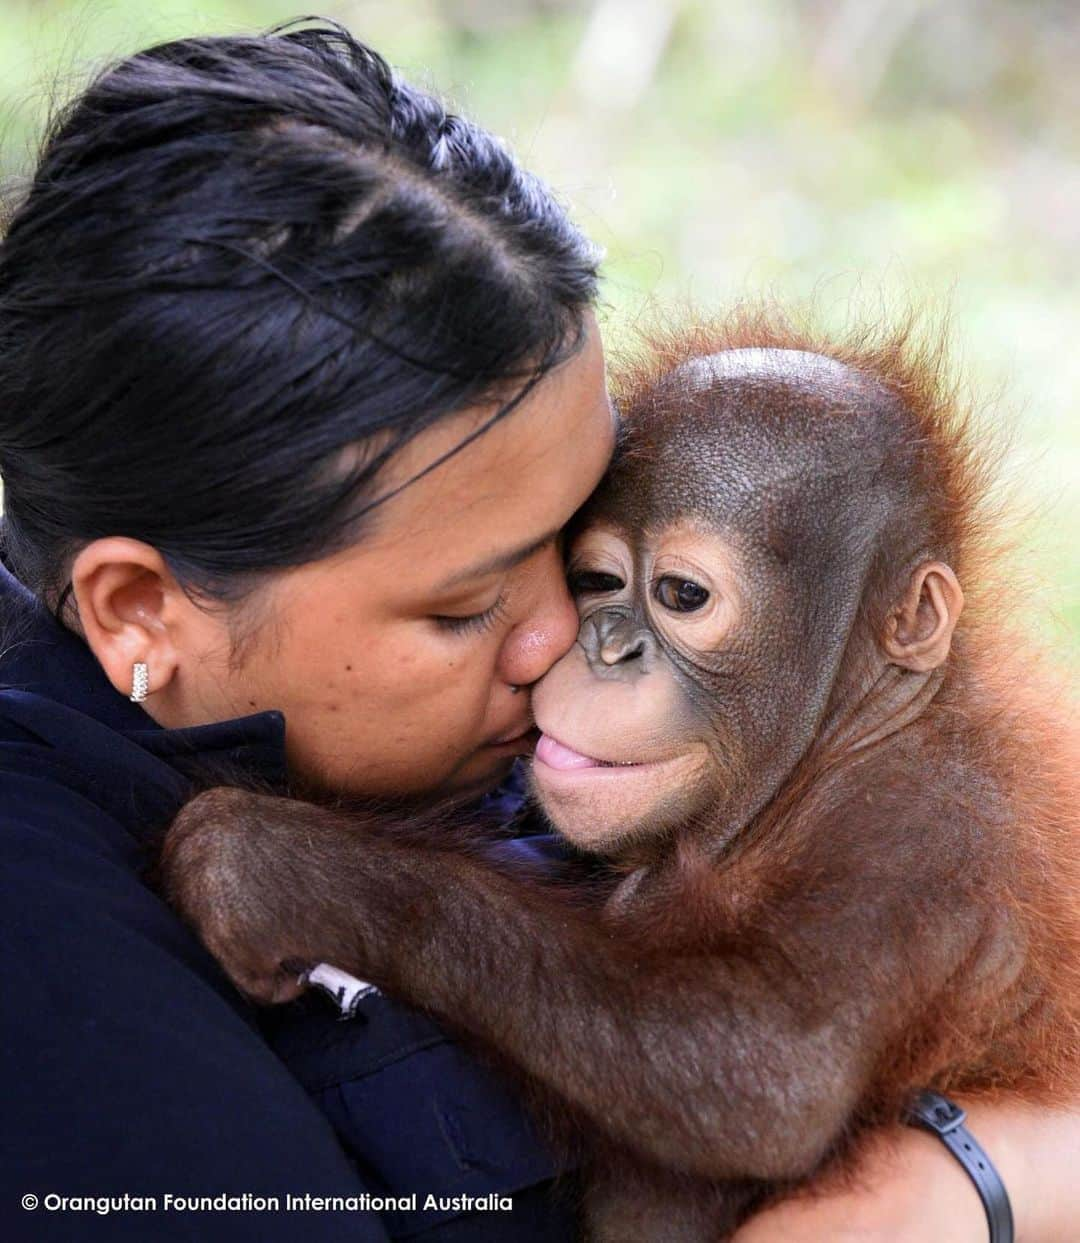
394	660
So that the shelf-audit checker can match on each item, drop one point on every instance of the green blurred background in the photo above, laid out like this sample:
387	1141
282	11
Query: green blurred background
891	150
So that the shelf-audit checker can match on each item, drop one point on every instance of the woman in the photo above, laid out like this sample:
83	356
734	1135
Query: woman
301	382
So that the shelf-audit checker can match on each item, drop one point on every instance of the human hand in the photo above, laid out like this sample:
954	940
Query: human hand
908	1188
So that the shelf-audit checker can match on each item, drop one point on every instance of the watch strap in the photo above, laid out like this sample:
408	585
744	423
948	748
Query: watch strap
936	1113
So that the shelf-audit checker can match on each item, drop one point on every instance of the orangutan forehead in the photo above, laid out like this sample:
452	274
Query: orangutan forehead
791	366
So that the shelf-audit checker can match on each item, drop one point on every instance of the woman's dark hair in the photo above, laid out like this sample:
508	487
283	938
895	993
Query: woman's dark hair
237	256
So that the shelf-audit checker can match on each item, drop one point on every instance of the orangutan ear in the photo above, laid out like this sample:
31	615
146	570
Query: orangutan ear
919	630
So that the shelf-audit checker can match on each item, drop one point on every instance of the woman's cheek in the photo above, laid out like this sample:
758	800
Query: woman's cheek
403	712
435	690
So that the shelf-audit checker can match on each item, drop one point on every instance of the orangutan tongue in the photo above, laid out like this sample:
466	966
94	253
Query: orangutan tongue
555	755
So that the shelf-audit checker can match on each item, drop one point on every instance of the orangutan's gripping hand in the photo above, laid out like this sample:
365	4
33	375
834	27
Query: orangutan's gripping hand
248	872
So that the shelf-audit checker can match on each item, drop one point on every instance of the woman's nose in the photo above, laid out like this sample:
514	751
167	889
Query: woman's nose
546	633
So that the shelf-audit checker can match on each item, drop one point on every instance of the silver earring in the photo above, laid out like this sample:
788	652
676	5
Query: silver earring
514	689
140	681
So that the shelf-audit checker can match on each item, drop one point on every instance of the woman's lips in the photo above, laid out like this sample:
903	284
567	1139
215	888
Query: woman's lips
520	743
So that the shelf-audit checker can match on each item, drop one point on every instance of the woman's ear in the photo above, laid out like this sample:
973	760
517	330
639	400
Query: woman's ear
128	609
919	630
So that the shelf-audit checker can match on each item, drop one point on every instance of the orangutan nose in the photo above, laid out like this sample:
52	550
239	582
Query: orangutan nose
620	650
613	642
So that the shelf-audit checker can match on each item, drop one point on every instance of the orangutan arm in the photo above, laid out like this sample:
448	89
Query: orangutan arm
720	1068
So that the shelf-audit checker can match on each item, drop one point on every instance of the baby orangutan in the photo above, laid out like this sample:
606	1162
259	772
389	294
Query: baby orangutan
833	811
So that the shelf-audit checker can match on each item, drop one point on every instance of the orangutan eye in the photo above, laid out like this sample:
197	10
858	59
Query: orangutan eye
680	595
593	583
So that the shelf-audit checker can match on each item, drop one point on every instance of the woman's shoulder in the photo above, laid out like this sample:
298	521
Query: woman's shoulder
82	768
117	1020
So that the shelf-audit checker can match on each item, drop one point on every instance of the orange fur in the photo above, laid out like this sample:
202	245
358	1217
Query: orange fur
1001	693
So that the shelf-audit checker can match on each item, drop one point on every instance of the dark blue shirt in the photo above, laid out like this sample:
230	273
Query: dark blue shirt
132	1067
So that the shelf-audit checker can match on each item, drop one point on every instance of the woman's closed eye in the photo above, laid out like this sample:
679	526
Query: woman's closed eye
473	623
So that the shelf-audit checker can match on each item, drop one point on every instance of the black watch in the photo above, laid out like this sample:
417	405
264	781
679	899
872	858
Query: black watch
934	1112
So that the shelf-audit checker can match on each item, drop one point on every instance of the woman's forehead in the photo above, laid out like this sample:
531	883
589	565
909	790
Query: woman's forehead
517	483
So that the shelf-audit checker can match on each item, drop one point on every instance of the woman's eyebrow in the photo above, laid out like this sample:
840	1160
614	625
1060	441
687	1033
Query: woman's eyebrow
498	562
